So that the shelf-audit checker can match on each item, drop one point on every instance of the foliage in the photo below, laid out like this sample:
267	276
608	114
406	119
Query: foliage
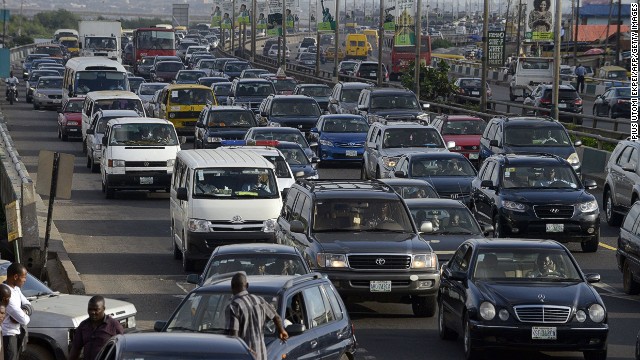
434	82
441	43
58	19
22	40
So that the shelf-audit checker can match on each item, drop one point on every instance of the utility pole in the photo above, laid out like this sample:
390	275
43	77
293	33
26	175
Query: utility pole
284	34
4	24
485	59
380	42
253	29
418	32
575	36
233	27
618	44
556	58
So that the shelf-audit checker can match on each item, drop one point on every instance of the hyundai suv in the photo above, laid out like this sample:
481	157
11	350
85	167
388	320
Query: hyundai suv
536	196
296	111
344	97
569	100
381	103
622	184
362	236
250	92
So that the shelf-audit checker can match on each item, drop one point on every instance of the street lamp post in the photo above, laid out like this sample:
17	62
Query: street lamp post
418	32
380	42
253	29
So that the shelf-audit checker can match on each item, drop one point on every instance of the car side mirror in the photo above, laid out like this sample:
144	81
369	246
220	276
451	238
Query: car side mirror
193	279
451	144
262	113
454	275
104	141
399	174
494	143
577	143
487	229
362	107
313	145
315	160
333	101
284	193
426	227
90	131
592	278
181	194
297	226
159	325
314	130
295	329
487	184
626	167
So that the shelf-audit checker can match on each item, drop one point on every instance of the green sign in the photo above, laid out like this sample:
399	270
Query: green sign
327	26
390	26
275	31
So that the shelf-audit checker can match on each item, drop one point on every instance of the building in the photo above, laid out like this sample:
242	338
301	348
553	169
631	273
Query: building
604	14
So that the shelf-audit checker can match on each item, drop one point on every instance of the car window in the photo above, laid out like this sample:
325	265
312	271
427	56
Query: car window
256	264
537	136
318	306
297	209
539	264
457	261
631	220
287	209
423	167
446	220
466	127
488	170
332	294
623	159
412	137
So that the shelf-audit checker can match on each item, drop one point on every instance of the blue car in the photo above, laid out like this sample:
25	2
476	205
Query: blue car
297	160
340	137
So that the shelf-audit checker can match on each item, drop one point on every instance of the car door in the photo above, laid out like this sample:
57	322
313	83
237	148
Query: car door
326	329
201	129
482	196
601	103
453	292
372	150
629	240
179	208
622	189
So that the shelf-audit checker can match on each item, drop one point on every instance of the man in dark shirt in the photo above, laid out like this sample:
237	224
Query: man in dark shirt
95	331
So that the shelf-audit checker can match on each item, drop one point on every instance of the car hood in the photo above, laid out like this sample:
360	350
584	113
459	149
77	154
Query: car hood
401	151
573	294
49	91
344	137
464	140
562	151
73	116
547	196
449	184
295	119
369	242
67	311
307	169
228	133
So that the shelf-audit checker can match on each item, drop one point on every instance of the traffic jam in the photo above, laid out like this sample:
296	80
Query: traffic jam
465	219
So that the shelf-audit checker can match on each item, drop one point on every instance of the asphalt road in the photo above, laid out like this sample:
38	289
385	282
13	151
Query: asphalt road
121	249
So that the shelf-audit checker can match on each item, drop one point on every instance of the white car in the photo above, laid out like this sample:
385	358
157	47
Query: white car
95	132
147	90
192	50
273	51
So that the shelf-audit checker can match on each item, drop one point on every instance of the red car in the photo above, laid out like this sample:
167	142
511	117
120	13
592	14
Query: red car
464	130
70	119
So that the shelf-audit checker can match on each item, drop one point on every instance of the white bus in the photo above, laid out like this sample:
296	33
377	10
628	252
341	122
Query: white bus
86	74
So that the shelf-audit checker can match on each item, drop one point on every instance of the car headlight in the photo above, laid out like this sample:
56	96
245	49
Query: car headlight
581	316
269	225
487	311
170	162
198	225
389	162
331	260
596	313
573	159
513	206
172	115
116	163
326	143
503	314
588	206
40	95
424	261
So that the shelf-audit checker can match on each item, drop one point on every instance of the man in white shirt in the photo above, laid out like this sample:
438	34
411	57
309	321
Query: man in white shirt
16	316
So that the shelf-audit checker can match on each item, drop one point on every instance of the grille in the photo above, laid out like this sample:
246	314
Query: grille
185	115
372	262
349	144
455	196
394	283
146	163
553	211
55	96
302	127
546	314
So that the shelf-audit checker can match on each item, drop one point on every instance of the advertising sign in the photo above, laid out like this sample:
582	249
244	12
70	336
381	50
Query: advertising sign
539	21
495	50
405	34
216	16
327	22
227	9
389	18
243	14
274	18
261	23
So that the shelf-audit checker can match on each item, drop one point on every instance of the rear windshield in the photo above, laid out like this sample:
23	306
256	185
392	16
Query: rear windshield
236	67
169	67
254	89
118	104
191	75
466	127
564	94
231	119
222	89
295	108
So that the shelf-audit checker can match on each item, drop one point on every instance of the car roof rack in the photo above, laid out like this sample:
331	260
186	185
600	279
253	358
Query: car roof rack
303	278
400	119
344	184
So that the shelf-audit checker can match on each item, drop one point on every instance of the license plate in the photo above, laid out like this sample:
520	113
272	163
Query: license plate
562	105
555	227
473	156
380	286
351	153
72	129
475	93
372	74
544	333
146	180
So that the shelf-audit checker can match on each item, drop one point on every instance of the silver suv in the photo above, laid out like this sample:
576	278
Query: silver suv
622	185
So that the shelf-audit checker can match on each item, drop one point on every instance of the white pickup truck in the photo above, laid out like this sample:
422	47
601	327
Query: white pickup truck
530	72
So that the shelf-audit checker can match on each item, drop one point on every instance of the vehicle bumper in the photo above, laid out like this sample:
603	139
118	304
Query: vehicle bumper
340	154
576	229
569	338
132	181
200	245
48	103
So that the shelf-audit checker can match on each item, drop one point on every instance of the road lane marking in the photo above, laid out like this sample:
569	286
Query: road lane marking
609	247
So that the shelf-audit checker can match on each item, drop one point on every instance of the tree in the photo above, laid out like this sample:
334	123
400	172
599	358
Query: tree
434	82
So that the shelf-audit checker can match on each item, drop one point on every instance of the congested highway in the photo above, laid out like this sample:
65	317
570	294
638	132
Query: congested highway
122	249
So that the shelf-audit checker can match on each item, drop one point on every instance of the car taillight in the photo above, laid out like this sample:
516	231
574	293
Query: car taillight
621	101
578	102
545	101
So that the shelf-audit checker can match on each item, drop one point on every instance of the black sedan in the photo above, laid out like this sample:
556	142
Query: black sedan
185	346
471	87
411	188
615	102
520	294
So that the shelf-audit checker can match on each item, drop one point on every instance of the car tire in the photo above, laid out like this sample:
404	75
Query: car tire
363	173
88	162
595	355
109	192
470	352
629	285
592	244
36	352
612	217
423	306
95	168
497	226
443	331
595	111
64	136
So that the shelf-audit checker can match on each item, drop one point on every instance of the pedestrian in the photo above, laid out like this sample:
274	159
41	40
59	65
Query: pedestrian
95	331
5	296
17	316
246	315
580	72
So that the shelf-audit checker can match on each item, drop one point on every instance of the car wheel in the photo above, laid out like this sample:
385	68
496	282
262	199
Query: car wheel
109	192
89	162
595	111
443	331
613	218
95	168
611	114
64	136
36	352
497	227
423	306
378	175
470	352
595	355
591	245
629	285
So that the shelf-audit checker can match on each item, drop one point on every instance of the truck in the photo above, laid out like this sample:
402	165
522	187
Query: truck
100	38
529	72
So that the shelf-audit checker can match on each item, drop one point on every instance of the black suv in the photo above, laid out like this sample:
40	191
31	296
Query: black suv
622	185
627	253
379	103
504	135
296	111
541	97
369	70
536	196
344	97
361	234
309	306
249	92
217	123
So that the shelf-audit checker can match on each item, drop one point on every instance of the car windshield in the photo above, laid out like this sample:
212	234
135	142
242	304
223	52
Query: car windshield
294	156
235	183
415	191
359	215
320	91
464	127
235	67
395	102
617	74
350	95
295	108
428	167
257	263
412	137
50	83
446	220
471	83
348	125
222	89
525	264
536	136
231	119
141	134
547	177
254	89
291	136
73	106
119	104
191	96
146	89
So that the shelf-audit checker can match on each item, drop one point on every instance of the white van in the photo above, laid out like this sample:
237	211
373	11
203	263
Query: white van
107	100
218	197
138	154
284	175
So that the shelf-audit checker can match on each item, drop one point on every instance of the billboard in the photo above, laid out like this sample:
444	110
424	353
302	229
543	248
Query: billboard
539	21
405	31
327	22
243	14
274	18
180	14
389	18
216	16
261	22
227	10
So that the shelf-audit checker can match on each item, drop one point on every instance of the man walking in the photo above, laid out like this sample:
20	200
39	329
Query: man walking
246	315
94	332
16	316
580	72
5	296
